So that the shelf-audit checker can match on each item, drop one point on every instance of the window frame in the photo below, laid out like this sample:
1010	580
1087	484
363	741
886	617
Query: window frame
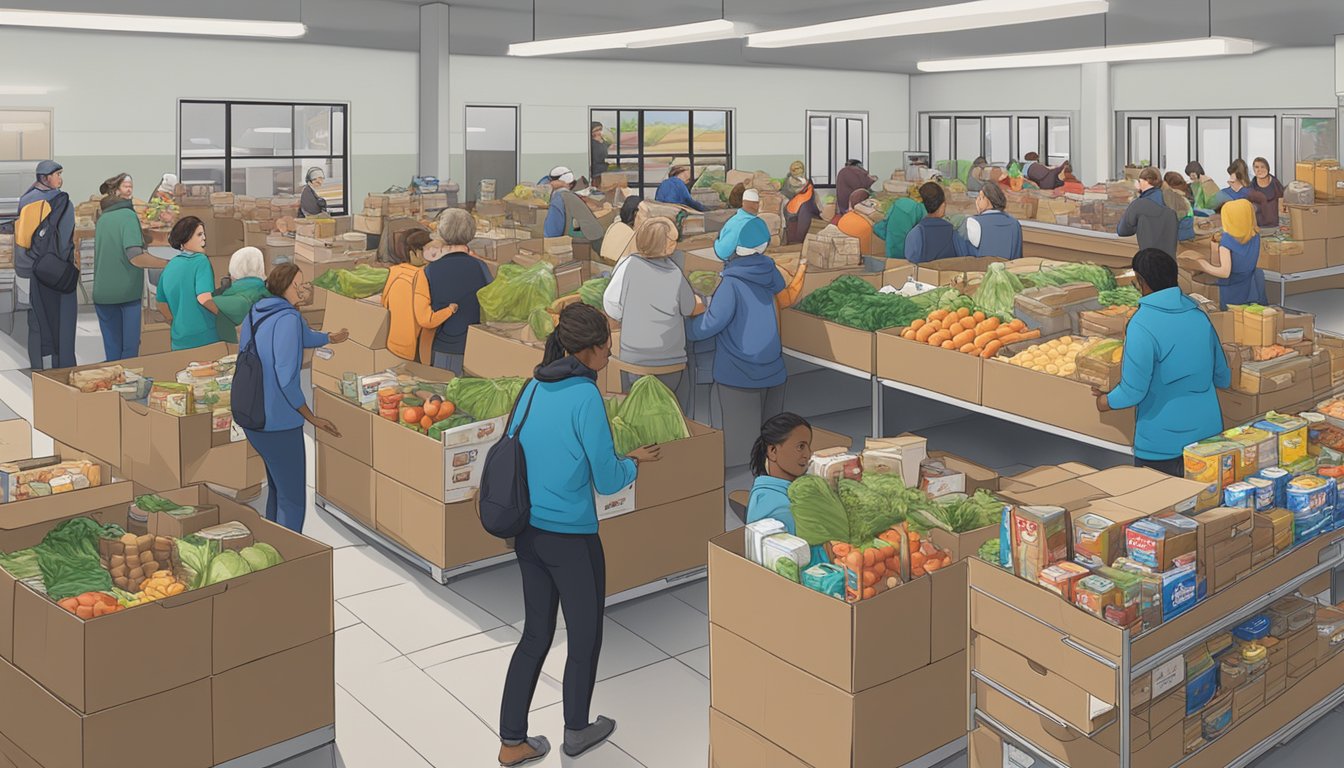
640	183
50	113
1233	141
1285	147
835	163
1033	124
228	156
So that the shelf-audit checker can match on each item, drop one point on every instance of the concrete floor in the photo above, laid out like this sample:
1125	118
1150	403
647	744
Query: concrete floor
419	666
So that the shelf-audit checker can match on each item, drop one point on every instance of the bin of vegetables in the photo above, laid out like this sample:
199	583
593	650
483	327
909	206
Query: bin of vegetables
972	333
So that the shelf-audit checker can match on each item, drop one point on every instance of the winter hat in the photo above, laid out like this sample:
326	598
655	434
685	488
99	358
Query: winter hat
48	167
753	238
561	173
168	183
751	196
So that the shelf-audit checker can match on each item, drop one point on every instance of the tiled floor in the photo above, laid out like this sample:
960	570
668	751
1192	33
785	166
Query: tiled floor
419	666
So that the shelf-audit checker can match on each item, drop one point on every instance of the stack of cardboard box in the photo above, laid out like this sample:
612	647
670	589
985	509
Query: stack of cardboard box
1325	177
1225	548
1318	230
378	208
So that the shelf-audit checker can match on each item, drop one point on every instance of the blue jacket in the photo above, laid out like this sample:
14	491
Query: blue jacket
1173	361
933	239
1000	235
282	335
770	500
557	223
742	320
567	443
725	246
674	190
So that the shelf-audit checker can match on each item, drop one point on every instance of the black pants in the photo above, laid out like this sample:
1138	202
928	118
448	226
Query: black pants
51	326
1174	467
558	570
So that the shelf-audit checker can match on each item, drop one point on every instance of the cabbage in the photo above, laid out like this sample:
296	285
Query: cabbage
624	437
224	566
541	323
998	291
261	556
651	414
194	553
359	283
818	515
591	291
484	398
516	292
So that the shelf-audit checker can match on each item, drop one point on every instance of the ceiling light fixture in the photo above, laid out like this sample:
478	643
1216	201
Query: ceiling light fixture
925	21
1172	49
169	25
697	32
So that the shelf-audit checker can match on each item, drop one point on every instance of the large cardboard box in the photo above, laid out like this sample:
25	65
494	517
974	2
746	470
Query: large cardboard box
811	335
161	451
447	535
299	697
734	745
1292	256
1052	400
366	319
347	483
332	362
1316	222
311	270
1240	407
1077	245
497	351
954	271
89	421
681	529
354	423
836	729
945	371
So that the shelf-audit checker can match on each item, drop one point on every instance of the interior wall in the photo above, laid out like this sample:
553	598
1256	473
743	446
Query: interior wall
115	98
1282	78
770	105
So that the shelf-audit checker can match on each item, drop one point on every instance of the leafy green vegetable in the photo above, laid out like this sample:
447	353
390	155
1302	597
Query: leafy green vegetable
21	564
989	551
112	531
591	291
512	296
818	514
997	292
902	498
853	302
541	323
1125	295
960	513
261	556
358	283
704	282
484	398
1100	277
194	553
650	414
271	552
458	419
68	559
224	566
154	503
871	512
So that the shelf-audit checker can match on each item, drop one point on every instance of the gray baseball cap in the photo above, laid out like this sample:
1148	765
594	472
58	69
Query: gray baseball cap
48	167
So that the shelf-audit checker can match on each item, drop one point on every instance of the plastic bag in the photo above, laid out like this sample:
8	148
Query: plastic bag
516	292
591	291
541	323
358	283
997	291
651	410
484	398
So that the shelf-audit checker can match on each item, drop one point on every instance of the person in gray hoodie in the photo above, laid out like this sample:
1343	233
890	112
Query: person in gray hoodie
1156	225
651	298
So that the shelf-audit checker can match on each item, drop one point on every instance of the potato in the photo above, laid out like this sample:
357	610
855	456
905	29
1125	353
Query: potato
1052	368
117	561
1068	370
146	556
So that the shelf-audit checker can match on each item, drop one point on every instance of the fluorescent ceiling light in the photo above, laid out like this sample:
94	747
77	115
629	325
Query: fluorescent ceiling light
168	25
698	32
1171	49
271	129
23	90
925	21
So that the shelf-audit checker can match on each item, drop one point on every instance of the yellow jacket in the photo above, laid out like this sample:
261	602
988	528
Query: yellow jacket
411	332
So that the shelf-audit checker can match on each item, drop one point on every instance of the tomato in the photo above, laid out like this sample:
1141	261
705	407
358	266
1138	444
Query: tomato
412	414
427	421
432	407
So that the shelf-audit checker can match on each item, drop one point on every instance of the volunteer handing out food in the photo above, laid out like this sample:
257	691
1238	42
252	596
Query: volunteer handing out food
561	414
1173	362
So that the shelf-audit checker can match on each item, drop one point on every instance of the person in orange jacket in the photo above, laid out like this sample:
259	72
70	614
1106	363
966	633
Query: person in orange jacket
858	222
407	337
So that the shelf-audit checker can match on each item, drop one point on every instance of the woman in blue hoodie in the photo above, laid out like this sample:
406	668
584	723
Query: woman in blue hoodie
1172	366
281	336
749	370
779	457
562	425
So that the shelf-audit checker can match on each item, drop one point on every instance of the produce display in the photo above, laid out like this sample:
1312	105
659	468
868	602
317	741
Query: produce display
1123	296
648	415
359	283
516	291
1058	357
972	333
997	291
591	291
851	301
1064	274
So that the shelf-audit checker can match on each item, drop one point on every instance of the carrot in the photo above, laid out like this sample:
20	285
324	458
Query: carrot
69	604
924	333
84	612
869	593
908	334
939	338
991	349
1034	334
984	338
1018	324
963	338
937	314
968	323
949	344
967	349
963	312
932	565
917	324
86	599
1011	338
1005	330
986	325
979	316
840	549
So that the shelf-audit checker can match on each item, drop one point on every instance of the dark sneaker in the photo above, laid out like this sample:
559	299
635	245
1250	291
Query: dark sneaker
578	742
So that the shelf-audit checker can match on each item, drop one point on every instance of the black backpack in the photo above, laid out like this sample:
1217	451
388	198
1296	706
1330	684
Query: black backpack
51	267
248	399
504	500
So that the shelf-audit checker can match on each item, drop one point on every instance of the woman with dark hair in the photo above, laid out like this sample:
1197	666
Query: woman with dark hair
1173	364
280	336
560	413
779	456
1267	212
310	202
407	338
119	262
619	241
1044	176
186	288
1239	188
978	175
1204	188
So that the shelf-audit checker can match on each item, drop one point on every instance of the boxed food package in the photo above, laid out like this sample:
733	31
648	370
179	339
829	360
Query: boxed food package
1094	593
831	249
1259	450
1159	542
1099	533
902	455
45	476
1257	326
1279	523
835	463
1040	539
1213	462
756	535
172	398
1292	436
936	479
1062	578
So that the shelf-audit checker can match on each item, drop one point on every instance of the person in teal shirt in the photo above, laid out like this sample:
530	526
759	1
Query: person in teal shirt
247	286
186	287
1172	368
779	456
903	216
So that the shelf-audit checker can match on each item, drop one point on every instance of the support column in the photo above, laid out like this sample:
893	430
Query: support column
1095	114
1339	86
434	134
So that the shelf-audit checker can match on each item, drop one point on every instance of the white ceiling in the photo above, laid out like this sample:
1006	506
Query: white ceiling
486	27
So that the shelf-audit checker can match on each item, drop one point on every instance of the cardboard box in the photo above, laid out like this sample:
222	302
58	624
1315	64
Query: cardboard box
366	319
954	271
1088	704
1334	252
332	362
353	422
89	421
1241	408
681	529
496	351
762	692
447	535
733	745
348	483
945	371
1273	376
1291	256
162	451
1052	400
1316	222
811	335
312	269
300	697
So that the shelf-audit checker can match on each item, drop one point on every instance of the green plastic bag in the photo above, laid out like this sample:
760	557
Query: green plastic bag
540	321
516	292
484	398
358	283
591	291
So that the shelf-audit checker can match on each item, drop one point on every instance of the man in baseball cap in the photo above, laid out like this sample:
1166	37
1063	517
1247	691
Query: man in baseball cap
51	315
559	175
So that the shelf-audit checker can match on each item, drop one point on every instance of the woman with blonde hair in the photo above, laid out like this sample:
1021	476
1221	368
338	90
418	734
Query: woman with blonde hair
1237	257
247	286
651	298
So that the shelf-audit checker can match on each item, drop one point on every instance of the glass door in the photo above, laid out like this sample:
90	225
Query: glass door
1173	140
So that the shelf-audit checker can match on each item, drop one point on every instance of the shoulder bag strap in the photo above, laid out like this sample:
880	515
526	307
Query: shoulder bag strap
526	411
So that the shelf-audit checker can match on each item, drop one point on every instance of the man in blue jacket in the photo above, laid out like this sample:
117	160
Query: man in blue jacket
1172	366
676	188
725	246
749	370
934	237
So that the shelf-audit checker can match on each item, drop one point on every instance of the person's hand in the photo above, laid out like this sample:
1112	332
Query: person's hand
339	336
1103	404
326	426
453	307
646	453
802	262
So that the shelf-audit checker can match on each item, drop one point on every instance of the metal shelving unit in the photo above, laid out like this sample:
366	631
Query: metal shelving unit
1297	277
875	405
1329	558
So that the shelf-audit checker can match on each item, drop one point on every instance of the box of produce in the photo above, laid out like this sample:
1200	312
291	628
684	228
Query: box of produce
357	285
1055	309
836	322
1109	321
502	350
1099	364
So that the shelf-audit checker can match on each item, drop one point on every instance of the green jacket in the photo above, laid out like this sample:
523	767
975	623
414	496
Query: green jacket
903	216
234	304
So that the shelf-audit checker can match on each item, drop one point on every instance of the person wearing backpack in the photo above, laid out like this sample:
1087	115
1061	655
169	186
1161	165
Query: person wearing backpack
561	423
52	312
278	334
